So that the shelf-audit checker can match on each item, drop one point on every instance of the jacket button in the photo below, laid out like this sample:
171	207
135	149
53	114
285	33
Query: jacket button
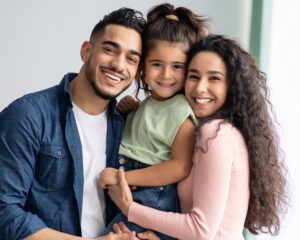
121	160
59	153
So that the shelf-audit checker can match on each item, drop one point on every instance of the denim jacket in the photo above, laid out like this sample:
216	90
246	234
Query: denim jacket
41	169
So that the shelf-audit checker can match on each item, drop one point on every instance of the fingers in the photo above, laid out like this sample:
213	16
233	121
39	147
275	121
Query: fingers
127	104
148	235
101	179
117	228
123	227
122	178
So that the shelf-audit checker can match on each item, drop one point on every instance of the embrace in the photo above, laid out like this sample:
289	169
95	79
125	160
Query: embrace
198	158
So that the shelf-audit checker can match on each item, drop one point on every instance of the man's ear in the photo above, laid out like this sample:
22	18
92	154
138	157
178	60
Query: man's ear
85	51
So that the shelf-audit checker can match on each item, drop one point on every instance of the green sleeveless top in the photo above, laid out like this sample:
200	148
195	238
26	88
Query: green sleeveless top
150	131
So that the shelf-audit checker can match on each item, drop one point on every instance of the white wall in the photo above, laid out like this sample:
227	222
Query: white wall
40	40
283	76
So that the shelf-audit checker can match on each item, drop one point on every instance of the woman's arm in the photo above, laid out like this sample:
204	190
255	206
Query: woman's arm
164	173
211	181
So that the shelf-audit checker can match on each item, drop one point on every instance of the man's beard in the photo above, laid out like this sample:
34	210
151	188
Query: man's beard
89	73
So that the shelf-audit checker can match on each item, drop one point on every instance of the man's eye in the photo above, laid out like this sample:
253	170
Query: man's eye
132	60
108	49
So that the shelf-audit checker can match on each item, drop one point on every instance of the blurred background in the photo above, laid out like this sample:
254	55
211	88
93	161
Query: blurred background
40	41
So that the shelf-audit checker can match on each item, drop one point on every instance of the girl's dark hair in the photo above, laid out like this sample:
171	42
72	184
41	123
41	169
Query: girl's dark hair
246	107
187	30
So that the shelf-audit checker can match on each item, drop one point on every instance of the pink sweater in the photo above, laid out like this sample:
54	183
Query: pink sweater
214	197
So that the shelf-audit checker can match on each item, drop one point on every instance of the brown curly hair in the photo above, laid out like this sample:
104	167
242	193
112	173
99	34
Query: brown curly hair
248	108
187	29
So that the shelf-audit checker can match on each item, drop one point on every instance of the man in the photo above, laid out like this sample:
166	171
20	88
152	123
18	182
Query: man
53	143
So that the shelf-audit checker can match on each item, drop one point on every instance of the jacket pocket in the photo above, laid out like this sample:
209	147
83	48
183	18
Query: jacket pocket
54	167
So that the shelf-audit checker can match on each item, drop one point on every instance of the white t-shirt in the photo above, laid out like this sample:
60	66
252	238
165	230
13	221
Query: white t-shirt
92	131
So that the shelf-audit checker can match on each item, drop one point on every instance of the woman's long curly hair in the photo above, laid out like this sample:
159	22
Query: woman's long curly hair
248	108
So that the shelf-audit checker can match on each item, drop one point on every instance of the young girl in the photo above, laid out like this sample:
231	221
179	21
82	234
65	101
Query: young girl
158	139
237	178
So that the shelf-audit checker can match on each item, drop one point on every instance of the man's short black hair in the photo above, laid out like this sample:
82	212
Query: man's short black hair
126	17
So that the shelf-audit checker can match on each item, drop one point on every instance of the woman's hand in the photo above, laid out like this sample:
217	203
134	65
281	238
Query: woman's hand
120	194
148	235
127	104
119	236
108	177
122	228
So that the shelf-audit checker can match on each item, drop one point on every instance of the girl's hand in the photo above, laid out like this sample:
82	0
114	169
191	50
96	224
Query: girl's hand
127	104
108	177
120	194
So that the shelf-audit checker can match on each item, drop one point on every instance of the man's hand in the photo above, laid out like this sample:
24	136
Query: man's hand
108	177
122	228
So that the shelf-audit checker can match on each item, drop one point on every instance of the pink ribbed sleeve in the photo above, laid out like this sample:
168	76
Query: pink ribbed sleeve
214	197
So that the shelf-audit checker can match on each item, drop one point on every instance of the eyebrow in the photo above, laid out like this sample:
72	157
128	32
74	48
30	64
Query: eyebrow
158	60
210	72
116	45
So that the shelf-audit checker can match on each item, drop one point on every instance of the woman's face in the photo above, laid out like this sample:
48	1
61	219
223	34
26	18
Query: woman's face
207	83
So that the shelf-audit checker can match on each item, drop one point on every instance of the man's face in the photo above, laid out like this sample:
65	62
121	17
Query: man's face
111	62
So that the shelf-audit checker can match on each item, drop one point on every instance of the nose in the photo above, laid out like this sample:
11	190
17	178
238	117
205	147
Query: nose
202	86
118	63
166	73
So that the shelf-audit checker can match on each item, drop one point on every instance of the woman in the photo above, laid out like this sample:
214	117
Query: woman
237	177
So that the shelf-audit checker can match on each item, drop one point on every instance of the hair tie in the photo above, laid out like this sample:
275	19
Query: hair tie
173	17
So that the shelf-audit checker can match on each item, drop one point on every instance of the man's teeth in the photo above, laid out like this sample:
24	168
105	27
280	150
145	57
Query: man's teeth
203	100
112	77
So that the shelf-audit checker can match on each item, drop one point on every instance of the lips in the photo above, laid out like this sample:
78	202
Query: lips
166	85
112	76
203	100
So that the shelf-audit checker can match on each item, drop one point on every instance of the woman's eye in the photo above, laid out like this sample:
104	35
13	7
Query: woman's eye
214	78
193	77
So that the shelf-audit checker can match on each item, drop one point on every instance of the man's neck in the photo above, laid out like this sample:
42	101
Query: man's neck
84	97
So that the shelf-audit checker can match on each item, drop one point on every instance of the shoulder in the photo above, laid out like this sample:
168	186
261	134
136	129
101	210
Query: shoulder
218	131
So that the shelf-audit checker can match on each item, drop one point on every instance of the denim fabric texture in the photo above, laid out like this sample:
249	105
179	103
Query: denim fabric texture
163	198
41	169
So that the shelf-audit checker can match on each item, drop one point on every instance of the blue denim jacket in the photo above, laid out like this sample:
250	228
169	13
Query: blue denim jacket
41	169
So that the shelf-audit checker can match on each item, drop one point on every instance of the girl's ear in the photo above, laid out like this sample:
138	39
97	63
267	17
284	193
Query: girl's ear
85	51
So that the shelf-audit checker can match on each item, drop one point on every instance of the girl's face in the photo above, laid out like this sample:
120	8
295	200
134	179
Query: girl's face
165	69
207	83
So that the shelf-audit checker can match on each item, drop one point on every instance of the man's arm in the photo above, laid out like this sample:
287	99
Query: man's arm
19	145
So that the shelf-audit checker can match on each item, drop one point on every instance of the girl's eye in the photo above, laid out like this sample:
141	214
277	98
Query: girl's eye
156	65
176	67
